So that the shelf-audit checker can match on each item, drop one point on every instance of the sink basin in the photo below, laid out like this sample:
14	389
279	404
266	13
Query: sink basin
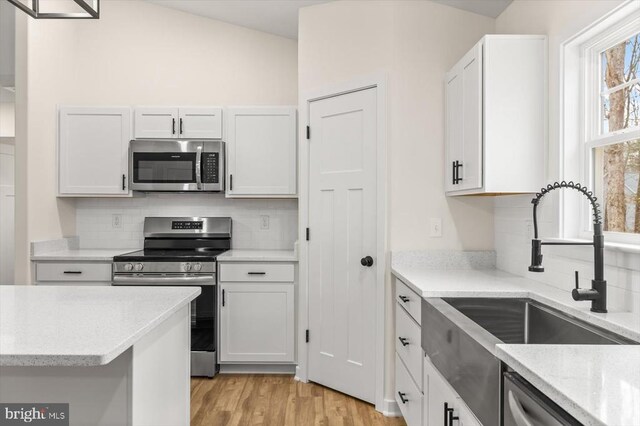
459	335
525	321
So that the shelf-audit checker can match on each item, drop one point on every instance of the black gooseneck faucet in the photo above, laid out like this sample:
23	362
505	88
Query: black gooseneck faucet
598	291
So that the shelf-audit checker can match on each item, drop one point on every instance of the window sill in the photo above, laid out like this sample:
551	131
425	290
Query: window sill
609	246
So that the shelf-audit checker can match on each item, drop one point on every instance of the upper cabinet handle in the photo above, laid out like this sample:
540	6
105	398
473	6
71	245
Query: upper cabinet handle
405	299
173	126
180	125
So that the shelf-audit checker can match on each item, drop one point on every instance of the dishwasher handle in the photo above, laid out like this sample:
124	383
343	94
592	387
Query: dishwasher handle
521	418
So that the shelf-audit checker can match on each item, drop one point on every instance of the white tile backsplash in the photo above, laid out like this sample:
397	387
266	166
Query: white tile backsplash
513	234
94	219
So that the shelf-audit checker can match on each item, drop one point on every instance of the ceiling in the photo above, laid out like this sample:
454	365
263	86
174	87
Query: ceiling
280	17
491	8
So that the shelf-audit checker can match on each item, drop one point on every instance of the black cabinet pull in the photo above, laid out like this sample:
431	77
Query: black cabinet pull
448	415
181	126
173	126
124	178
257	273
402	397
404	341
453	172
404	299
223	297
456	174
230	182
73	272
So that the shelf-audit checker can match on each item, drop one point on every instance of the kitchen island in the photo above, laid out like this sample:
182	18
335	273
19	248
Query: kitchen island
116	355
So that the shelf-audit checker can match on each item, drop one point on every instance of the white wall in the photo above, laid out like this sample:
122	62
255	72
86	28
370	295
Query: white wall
136	54
95	228
414	43
560	20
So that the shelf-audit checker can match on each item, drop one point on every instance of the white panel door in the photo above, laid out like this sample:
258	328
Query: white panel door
93	150
261	151
156	123
453	127
342	219
257	322
471	72
200	123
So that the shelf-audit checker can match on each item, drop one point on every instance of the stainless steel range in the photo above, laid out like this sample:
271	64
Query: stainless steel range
182	251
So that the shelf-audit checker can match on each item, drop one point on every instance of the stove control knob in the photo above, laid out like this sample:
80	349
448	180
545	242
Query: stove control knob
128	267
138	267
197	267
187	267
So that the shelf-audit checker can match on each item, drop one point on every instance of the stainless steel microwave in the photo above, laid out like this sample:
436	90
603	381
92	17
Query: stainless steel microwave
174	165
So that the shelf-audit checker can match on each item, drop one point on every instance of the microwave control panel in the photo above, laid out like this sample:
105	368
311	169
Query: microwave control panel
210	167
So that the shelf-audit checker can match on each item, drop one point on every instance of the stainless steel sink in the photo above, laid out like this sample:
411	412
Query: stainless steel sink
528	322
460	335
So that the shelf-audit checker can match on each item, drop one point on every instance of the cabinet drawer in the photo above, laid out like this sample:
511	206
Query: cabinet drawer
408	344
254	271
73	272
409	300
408	396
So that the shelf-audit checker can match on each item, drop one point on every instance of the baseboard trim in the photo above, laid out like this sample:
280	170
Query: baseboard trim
391	408
257	369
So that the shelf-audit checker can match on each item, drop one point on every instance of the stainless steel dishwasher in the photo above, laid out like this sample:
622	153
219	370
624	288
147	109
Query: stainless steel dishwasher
524	405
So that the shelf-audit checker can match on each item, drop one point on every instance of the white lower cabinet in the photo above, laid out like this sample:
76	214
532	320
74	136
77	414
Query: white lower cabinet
442	405
408	396
257	313
73	273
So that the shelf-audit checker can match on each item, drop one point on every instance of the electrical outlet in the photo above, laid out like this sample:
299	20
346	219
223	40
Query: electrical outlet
435	227
116	221
264	222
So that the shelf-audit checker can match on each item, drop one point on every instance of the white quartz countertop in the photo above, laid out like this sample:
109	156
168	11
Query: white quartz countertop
599	385
96	255
258	256
80	325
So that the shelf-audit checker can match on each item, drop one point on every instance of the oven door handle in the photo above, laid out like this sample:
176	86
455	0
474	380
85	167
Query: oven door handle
199	166
176	281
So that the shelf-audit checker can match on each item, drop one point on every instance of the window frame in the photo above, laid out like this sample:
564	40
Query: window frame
591	117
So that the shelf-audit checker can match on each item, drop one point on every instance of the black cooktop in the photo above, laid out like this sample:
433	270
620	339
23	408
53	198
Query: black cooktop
171	255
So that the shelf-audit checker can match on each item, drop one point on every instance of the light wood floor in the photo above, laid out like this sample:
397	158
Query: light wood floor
276	400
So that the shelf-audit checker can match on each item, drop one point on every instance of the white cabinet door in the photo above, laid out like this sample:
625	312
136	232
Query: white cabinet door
156	123
92	150
453	126
257	323
471	119
261	151
437	393
200	123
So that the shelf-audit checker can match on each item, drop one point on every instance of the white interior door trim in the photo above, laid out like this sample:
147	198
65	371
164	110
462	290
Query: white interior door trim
379	81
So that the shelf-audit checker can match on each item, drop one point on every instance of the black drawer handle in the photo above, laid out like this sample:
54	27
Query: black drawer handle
73	272
404	299
448	415
402	397
223	297
404	341
257	273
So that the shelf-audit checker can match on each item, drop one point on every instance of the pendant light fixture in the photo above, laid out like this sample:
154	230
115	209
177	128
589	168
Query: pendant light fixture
91	10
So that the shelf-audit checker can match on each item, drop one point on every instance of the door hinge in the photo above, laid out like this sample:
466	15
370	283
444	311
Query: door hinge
308	232
308	132
306	336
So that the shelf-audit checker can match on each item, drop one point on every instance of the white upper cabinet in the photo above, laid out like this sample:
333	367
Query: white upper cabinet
92	151
261	152
175	122
496	117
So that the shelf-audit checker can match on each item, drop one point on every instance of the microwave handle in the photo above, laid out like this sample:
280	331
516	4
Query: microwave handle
199	167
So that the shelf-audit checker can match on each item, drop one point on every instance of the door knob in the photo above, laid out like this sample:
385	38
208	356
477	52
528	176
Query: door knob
367	261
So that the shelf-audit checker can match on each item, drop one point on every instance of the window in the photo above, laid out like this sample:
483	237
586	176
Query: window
611	136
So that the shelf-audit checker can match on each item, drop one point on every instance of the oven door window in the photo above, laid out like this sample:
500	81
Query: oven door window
164	167
203	320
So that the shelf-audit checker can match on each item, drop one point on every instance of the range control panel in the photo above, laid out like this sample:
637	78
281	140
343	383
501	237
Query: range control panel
184	224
